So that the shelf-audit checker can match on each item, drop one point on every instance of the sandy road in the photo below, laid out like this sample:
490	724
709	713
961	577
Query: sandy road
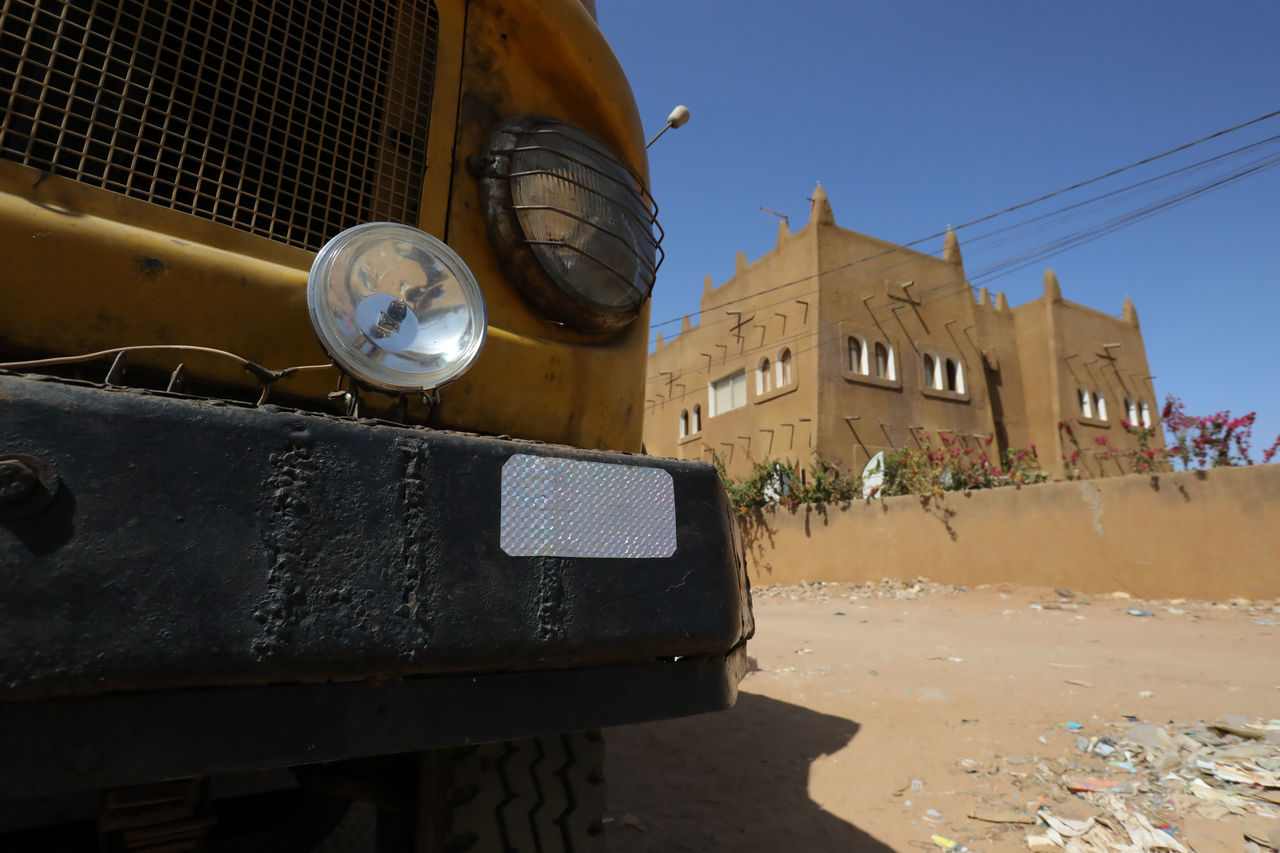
877	723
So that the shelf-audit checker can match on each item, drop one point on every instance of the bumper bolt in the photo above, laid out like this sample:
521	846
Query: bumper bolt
17	481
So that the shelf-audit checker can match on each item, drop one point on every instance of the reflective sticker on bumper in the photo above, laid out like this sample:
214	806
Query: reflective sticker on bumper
568	508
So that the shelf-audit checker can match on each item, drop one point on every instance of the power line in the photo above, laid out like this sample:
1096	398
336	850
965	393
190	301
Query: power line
1020	206
1023	259
978	239
1056	247
1125	190
1030	256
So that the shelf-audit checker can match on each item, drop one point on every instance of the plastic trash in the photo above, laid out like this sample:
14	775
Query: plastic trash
1245	773
1118	830
1256	732
1066	827
1080	783
1001	816
1150	736
1138	611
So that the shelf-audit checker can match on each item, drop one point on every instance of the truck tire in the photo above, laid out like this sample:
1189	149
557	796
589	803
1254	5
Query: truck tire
537	795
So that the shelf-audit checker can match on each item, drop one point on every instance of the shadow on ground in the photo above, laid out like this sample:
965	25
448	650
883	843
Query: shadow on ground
736	781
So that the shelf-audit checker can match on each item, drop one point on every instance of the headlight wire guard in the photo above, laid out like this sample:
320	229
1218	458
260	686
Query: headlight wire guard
573	225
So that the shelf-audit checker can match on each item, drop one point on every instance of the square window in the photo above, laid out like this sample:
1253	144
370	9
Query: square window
728	393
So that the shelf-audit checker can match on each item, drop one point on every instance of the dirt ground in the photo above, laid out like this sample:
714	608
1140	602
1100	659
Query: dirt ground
883	716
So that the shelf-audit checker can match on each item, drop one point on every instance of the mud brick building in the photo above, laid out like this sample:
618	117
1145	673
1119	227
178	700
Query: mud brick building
846	344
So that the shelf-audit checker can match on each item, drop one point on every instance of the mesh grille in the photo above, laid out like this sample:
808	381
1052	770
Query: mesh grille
289	120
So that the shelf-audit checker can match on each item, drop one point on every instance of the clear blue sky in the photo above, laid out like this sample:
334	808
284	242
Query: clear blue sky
915	115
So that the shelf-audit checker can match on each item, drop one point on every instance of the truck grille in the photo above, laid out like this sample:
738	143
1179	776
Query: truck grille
288	120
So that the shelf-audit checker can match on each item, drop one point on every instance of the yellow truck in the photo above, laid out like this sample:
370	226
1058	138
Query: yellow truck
324	518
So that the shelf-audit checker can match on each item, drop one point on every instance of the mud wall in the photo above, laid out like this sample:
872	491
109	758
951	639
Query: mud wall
1211	535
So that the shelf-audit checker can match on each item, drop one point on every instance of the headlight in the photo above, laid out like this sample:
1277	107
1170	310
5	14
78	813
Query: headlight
572	223
395	307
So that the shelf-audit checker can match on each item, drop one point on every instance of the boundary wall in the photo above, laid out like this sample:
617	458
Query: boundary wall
1211	535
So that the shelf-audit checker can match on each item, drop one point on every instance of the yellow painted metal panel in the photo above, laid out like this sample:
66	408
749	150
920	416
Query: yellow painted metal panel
546	58
87	270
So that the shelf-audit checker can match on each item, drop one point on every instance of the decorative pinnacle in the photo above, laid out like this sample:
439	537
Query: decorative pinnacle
1129	312
820	212
1052	291
951	248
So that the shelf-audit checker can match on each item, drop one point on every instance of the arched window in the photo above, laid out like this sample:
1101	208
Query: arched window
857	355
764	379
784	367
1100	405
1086	405
955	381
882	361
695	422
931	372
1145	414
684	422
1131	412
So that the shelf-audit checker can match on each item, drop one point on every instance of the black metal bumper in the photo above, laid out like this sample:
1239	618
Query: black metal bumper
339	584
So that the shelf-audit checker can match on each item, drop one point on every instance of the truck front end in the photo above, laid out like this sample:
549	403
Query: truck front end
322	342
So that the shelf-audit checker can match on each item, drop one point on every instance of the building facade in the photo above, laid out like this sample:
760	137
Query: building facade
847	345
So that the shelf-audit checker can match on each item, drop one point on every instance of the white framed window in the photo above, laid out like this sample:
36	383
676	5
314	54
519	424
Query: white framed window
783	367
727	393
1131	412
684	422
695	418
857	355
885	368
1086	402
1099	406
932	371
941	370
954	376
1145	414
868	357
764	377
